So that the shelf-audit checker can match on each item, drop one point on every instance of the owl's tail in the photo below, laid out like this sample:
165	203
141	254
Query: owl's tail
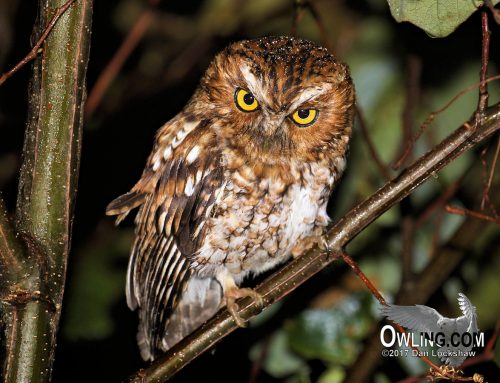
200	301
122	205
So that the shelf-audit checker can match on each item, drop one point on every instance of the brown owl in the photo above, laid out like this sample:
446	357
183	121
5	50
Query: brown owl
236	183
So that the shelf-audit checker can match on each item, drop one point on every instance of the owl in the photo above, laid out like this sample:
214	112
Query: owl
236	183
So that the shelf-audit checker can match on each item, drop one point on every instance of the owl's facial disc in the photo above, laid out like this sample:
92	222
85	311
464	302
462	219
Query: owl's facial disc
277	99
271	119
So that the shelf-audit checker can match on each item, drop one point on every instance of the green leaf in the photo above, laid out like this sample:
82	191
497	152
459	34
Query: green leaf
438	18
334	374
331	335
280	362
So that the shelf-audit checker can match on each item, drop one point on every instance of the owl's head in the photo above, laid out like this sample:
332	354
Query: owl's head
277	98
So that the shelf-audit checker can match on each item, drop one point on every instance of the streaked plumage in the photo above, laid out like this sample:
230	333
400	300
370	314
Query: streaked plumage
236	183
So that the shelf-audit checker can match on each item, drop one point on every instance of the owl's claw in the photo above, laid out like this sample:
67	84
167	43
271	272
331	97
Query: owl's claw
324	246
235	293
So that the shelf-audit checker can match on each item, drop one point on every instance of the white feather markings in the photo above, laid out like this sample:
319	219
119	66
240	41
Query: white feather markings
254	84
161	221
309	94
187	128
156	165
167	153
189	188
303	211
193	154
250	79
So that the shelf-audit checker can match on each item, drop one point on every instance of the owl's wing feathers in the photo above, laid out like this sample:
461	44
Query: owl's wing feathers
175	195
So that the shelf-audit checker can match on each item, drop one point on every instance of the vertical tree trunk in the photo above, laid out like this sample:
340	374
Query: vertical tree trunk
32	293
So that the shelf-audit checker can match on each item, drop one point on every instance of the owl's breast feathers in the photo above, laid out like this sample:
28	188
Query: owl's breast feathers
262	216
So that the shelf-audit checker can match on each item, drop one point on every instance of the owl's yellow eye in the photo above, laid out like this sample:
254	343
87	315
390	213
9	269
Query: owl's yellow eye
305	117
245	101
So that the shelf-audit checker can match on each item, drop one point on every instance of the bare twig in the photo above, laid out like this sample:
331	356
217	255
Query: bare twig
321	26
116	63
36	48
487	187
354	266
414	69
384	170
407	236
471	213
433	115
485	54
299	7
257	365
286	279
438	202
495	12
298	13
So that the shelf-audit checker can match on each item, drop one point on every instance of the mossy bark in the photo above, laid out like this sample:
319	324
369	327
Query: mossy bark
32	293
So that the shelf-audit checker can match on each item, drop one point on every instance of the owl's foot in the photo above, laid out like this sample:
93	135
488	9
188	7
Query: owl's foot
324	246
232	292
308	243
235	293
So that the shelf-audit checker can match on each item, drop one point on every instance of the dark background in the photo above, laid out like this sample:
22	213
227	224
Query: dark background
97	334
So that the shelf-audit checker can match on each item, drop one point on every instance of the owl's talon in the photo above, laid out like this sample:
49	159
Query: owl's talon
232	307
236	293
324	246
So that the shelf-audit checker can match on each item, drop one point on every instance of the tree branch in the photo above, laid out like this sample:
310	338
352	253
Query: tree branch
10	249
11	253
292	275
114	66
47	190
34	51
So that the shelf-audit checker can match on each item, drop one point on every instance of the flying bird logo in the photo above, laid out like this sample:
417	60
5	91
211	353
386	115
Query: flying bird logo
448	333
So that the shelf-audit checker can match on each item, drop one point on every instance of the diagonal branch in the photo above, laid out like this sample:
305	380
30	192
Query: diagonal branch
301	269
128	45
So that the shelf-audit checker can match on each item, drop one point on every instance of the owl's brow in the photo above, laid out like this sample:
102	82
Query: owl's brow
309	94
254	84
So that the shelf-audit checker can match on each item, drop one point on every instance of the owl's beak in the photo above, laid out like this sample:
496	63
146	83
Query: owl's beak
272	125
